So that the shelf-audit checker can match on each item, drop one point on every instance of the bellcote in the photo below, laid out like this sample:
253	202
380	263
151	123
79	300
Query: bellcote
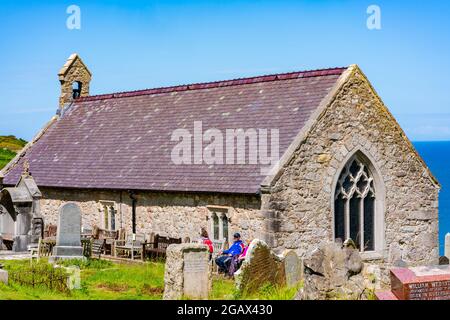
74	77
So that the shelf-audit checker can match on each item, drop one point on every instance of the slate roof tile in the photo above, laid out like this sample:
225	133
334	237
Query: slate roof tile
122	140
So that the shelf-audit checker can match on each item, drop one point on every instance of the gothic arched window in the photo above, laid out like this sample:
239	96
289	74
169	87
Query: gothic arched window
354	204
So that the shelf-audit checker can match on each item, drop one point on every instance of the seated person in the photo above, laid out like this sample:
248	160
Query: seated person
242	256
205	240
225	257
237	260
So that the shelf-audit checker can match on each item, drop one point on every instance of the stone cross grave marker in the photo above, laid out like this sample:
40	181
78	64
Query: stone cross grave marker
68	238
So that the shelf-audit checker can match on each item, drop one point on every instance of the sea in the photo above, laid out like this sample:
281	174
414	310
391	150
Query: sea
437	156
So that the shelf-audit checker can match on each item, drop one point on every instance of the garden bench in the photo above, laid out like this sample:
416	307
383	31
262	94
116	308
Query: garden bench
158	248
97	247
43	249
129	247
110	236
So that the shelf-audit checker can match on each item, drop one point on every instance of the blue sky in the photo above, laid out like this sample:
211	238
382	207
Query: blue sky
131	45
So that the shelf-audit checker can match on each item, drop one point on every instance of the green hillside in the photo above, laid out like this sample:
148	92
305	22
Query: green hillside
9	146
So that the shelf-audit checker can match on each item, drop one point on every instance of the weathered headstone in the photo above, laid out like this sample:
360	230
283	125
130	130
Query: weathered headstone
395	254
187	272
68	238
293	268
418	283
447	245
4	276
334	272
261	266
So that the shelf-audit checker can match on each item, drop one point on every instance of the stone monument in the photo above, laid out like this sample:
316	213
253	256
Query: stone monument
68	238
418	283
293	268
20	218
261	266
4	276
334	272
187	272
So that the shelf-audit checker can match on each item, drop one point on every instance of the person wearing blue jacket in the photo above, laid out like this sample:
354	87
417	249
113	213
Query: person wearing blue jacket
224	260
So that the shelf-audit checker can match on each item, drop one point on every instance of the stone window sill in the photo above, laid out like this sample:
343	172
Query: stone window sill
371	255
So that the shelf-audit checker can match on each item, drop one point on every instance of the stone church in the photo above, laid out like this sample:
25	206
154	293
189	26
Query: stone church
346	169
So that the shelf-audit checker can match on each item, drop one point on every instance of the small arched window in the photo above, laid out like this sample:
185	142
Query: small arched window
219	223
354	204
76	89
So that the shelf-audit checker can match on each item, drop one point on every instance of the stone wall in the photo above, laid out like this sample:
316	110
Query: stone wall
298	206
168	214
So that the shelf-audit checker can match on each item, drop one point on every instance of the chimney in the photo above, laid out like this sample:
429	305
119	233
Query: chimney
75	78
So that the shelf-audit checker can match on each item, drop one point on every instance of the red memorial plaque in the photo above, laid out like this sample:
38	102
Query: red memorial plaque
421	283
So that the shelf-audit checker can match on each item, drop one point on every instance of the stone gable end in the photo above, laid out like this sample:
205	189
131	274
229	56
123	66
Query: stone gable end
300	202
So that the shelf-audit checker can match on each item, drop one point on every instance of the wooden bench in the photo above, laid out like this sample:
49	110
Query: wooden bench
43	249
109	237
218	246
97	247
129	247
158	248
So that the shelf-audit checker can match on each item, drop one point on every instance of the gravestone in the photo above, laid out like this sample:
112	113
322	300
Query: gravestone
293	268
195	274
334	272
418	283
4	276
261	266
187	272
68	237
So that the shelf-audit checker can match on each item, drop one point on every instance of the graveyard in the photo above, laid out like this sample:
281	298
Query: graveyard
74	264
103	280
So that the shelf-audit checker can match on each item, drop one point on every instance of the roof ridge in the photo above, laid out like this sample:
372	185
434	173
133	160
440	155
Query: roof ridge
217	84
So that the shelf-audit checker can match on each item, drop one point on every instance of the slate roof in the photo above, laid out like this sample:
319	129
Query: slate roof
123	140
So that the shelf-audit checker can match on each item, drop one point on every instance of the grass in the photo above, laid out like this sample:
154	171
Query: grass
105	280
9	146
224	289
5	157
100	280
